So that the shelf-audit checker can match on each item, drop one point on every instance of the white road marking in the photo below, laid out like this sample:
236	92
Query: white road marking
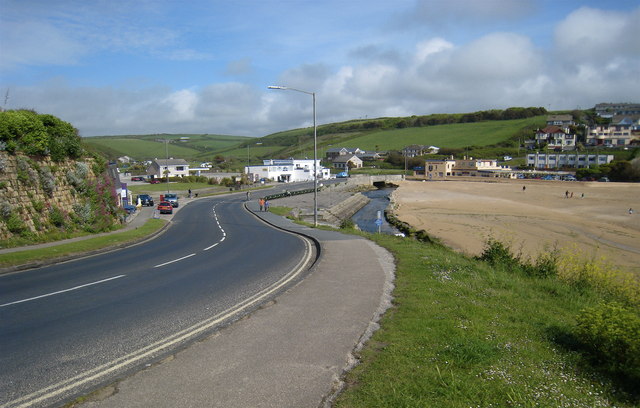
224	234
63	291
175	260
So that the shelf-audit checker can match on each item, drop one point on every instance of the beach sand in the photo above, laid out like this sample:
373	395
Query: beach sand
464	214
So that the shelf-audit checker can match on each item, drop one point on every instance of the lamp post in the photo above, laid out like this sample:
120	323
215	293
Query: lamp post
315	149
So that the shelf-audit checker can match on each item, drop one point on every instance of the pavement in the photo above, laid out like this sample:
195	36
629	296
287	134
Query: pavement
292	352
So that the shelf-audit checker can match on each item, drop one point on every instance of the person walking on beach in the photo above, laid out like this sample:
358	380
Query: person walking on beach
261	202
524	188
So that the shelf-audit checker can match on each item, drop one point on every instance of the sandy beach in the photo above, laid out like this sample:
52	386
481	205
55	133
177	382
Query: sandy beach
530	215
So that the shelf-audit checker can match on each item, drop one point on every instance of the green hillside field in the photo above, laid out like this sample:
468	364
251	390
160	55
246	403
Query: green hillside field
146	147
451	136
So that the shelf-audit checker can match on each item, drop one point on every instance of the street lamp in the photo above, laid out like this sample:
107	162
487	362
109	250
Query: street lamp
315	149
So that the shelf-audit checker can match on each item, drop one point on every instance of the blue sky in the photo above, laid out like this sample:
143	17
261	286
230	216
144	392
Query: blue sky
154	66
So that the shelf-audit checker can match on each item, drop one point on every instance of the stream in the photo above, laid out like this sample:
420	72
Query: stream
365	219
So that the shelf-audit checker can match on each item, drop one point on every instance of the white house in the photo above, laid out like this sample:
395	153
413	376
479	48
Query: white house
288	170
175	168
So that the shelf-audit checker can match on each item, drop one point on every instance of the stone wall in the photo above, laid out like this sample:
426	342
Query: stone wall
30	189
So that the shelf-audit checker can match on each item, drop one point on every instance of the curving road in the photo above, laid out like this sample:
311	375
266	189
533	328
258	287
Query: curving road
68	328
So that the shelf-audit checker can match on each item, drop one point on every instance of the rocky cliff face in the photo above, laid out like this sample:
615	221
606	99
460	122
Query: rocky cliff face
40	196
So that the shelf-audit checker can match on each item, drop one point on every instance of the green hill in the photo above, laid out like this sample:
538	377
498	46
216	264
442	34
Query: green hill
497	129
146	147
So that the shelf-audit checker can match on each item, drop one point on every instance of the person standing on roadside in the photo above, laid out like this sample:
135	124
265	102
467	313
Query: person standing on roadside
261	202
266	205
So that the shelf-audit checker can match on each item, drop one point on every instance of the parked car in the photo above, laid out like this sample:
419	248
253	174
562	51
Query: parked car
145	200
154	181
172	198
604	179
342	174
129	209
165	207
569	178
137	178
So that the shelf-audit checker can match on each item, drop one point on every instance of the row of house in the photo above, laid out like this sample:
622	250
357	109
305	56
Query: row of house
558	134
465	167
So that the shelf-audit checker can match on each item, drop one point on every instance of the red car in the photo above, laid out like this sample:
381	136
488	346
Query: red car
137	178
154	181
165	207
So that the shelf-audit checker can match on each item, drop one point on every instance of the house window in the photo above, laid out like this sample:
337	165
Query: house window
179	168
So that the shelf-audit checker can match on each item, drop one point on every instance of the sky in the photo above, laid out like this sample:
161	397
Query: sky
115	67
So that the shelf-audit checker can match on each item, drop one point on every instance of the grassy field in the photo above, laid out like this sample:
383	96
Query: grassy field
146	147
138	148
452	136
465	334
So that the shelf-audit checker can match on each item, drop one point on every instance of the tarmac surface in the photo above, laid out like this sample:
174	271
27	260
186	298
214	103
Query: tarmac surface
293	352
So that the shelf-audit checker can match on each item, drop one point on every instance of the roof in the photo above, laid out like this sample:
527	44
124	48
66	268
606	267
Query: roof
171	162
345	158
551	129
564	118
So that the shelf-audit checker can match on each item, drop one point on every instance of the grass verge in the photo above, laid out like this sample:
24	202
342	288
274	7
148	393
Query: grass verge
88	245
464	333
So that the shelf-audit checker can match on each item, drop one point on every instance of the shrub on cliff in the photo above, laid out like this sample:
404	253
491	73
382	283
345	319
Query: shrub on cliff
38	135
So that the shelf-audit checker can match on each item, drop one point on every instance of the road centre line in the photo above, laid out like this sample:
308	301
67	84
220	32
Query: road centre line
63	291
175	260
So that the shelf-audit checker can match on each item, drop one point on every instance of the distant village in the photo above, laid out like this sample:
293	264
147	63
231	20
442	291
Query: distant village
559	145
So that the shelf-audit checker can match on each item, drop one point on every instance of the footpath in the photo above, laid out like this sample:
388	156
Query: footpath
292	352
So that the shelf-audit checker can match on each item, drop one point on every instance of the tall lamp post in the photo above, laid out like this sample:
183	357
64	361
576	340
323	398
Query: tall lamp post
315	149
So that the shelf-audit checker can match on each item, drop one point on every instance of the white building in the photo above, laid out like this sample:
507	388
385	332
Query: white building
289	170
174	167
556	160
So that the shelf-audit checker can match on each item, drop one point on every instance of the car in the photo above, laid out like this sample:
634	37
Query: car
342	174
154	181
129	209
569	178
137	178
604	179
172	198
165	207
145	200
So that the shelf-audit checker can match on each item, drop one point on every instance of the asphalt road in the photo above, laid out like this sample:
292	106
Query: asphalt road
71	327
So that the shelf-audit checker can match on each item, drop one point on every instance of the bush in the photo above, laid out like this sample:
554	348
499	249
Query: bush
15	224
611	334
347	224
57	217
497	253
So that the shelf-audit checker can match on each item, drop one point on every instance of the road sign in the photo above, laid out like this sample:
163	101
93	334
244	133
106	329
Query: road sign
378	222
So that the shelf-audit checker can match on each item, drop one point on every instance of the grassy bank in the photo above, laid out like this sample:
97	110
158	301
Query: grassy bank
464	333
88	245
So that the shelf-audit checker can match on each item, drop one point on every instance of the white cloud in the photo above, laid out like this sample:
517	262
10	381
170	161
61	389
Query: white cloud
597	35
